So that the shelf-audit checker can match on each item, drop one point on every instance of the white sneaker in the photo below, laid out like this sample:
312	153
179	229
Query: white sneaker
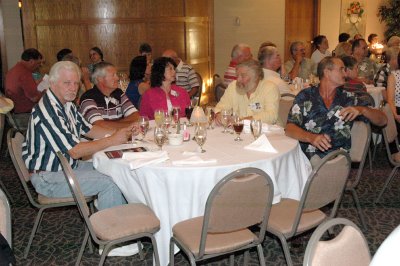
122	251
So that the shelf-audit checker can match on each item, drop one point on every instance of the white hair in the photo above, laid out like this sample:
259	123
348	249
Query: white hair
54	74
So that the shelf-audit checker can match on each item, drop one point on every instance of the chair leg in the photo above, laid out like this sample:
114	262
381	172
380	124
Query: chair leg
231	260
35	227
171	252
359	210
155	251
388	180
286	251
140	248
370	159
82	249
246	257
106	250
260	254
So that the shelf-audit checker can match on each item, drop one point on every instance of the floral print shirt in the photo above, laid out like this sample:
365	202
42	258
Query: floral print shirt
310	113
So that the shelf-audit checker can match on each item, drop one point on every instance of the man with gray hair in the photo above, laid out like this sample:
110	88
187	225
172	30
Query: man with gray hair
56	125
250	96
299	65
240	52
271	61
105	104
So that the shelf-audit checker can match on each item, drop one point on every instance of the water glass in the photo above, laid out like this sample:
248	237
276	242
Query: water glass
225	116
167	122
256	128
210	117
200	135
160	136
143	125
188	113
159	117
176	111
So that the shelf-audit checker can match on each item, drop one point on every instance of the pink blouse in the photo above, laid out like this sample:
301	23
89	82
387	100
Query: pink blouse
155	98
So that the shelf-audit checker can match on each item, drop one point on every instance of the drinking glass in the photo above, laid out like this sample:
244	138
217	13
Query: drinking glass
188	113
143	125
238	127
167	122
159	136
256	128
210	117
159	117
176	110
225	115
200	135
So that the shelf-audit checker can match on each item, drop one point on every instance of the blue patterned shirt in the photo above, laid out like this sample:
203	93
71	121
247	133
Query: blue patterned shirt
52	128
310	113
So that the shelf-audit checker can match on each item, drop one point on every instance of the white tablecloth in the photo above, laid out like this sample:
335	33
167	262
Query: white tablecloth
177	193
388	252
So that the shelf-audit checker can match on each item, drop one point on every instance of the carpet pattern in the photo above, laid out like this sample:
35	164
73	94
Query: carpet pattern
59	237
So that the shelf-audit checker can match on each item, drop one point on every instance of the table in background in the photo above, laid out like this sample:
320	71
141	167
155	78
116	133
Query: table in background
177	193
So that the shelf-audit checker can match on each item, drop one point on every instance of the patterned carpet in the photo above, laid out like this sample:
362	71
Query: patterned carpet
59	237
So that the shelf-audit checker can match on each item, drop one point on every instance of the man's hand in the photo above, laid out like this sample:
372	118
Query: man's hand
298	57
321	142
121	136
350	113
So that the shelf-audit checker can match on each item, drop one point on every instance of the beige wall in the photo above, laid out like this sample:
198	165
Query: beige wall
260	20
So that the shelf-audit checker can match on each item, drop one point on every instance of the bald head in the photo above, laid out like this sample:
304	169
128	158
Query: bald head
172	54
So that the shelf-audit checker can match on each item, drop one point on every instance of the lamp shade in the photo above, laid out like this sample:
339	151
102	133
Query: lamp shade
198	115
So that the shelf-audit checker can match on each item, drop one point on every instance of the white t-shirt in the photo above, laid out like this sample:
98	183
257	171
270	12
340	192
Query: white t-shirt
317	56
275	78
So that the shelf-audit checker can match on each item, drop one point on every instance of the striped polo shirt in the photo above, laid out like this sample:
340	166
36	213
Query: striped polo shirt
186	77
52	128
96	106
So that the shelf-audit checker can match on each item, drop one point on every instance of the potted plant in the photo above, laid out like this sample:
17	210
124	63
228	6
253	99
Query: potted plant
390	14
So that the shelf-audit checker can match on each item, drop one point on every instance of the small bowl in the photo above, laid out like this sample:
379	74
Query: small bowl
175	139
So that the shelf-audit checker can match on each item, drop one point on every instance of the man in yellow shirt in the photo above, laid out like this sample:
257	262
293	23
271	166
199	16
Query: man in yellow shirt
250	96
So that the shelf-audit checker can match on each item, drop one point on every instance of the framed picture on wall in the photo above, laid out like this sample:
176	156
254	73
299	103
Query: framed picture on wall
353	17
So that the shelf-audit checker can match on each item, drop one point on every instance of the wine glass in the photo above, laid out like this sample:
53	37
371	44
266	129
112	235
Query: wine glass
159	117
210	117
176	110
188	113
238	127
225	115
256	128
143	125
167	121
159	136
200	135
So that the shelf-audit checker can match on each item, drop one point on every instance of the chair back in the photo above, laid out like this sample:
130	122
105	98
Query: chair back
327	182
74	187
349	247
241	199
219	87
5	218
198	94
2	123
366	97
14	142
390	131
285	103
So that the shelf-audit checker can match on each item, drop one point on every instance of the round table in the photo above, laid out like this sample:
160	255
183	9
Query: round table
177	193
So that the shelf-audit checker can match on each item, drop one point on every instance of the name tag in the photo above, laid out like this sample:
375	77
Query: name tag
255	106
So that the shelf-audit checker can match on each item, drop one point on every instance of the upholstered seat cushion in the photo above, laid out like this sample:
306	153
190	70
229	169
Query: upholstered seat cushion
188	232
42	199
282	217
124	220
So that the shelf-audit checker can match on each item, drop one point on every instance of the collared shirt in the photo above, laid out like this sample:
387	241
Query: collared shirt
186	77
21	88
382	75
367	68
354	85
317	56
230	73
275	78
52	128
96	106
310	113
263	102
307	67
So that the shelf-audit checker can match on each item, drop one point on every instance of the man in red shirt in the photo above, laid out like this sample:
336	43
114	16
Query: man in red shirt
20	86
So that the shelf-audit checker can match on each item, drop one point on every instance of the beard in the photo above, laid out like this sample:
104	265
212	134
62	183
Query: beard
245	88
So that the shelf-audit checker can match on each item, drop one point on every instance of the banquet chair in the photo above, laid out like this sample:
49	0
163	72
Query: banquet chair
5	218
219	87
14	142
2	186
285	104
349	247
198	94
241	199
389	135
114	225
360	143
325	185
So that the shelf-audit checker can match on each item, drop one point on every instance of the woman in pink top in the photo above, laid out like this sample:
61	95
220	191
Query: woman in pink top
163	94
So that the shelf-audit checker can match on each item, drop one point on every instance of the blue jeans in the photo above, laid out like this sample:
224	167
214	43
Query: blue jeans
92	182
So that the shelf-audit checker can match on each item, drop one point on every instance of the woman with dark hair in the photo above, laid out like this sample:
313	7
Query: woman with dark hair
96	56
321	46
138	70
163	94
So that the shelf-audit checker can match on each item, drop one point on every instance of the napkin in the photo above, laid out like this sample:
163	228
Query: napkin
194	160
261	144
140	159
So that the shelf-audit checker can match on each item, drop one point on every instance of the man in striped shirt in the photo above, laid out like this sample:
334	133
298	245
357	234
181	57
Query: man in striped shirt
240	52
56	125
185	74
105	104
